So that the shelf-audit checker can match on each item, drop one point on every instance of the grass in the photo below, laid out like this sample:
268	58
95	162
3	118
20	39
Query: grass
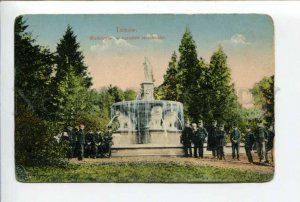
148	172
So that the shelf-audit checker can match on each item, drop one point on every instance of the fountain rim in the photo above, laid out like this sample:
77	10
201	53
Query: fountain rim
146	101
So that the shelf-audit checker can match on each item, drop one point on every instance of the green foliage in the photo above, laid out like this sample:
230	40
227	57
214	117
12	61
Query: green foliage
116	93
129	94
51	93
169	88
199	102
34	129
149	172
188	69
68	55
263	94
34	139
222	97
205	90
33	69
72	98
99	102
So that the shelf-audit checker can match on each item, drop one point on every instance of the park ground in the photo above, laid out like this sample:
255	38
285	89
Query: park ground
153	169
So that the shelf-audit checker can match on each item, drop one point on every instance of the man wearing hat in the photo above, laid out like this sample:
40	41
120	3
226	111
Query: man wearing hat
107	142
80	142
235	139
88	144
270	144
211	139
221	142
93	145
99	140
199	139
249	142
261	138
72	142
186	139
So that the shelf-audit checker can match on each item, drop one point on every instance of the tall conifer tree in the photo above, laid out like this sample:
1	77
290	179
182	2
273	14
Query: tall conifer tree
188	64
169	88
33	69
222	98
68	55
72	80
188	72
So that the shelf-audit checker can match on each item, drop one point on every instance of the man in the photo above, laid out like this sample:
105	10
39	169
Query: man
93	153
194	141
75	136
221	142
98	140
64	141
235	139
249	143
88	144
270	144
107	142
80	142
71	142
185	139
211	140
199	139
261	138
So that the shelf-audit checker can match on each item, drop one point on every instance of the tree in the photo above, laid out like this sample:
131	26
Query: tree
34	140
263	94
116	93
71	82
34	128
68	55
33	70
188	67
72	98
222	99
129	94
168	90
200	108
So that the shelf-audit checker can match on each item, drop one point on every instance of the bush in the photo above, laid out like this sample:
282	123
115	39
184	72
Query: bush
34	140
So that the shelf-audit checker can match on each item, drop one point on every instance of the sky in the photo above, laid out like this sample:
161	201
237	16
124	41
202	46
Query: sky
114	46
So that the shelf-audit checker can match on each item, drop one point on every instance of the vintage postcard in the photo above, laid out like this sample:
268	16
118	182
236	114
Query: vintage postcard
158	98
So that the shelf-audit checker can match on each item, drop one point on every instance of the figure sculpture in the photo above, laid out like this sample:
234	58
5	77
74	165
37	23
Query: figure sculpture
148	71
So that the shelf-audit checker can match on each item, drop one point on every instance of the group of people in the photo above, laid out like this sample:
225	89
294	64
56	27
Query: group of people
92	144
195	135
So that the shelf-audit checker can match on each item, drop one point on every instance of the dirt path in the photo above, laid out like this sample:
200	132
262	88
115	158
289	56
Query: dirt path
234	164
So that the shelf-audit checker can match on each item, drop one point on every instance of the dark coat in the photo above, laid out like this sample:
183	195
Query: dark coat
107	139
211	140
89	138
81	137
73	137
220	137
270	143
249	140
261	134
98	138
199	135
186	135
235	137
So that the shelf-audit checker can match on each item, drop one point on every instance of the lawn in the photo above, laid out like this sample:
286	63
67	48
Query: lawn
148	172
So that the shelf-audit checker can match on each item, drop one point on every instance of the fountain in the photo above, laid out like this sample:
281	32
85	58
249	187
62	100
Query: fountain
146	126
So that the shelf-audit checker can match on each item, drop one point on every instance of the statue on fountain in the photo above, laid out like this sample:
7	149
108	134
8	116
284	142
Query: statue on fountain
147	87
148	71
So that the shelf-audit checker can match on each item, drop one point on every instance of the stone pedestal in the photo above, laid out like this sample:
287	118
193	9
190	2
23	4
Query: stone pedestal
162	143
147	90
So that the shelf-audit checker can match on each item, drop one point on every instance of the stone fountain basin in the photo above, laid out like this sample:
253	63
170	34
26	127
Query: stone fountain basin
158	138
